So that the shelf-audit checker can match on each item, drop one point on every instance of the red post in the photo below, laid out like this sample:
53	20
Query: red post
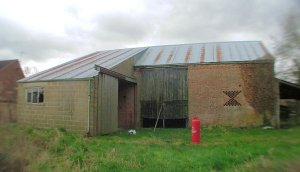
195	130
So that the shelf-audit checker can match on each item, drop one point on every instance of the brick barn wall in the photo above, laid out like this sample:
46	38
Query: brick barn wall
8	112
206	84
65	105
8	91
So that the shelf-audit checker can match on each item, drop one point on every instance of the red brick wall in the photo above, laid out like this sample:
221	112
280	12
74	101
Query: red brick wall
206	98
8	112
8	91
8	81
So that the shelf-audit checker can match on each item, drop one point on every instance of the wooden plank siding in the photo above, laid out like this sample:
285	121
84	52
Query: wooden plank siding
107	104
165	90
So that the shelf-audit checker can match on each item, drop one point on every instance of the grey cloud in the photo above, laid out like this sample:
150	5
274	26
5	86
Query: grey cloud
18	42
113	31
127	29
122	29
167	22
218	20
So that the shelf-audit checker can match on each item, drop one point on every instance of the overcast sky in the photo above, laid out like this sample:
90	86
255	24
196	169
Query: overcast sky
47	33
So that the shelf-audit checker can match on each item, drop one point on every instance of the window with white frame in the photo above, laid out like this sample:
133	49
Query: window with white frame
34	95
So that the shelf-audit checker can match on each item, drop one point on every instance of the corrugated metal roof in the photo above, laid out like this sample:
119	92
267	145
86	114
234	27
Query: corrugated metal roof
83	67
203	53
157	55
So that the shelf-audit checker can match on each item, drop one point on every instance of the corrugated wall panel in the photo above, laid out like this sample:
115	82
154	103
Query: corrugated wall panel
108	104
165	90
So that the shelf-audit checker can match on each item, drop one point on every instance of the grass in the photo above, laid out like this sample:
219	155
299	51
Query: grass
221	149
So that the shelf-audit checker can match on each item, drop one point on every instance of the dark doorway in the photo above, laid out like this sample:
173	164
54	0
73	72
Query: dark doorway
164	123
289	104
126	105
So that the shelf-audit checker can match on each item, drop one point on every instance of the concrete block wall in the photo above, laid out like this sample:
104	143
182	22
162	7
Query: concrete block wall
206	84
65	105
93	125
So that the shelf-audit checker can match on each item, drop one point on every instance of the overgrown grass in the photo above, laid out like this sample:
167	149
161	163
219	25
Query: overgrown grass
222	149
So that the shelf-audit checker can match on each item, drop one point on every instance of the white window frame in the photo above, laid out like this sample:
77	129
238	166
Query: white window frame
39	90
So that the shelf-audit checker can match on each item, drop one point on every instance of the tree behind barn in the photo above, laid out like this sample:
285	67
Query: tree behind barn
288	51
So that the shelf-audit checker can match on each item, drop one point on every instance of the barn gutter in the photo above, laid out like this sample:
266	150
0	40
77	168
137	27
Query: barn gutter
54	80
186	65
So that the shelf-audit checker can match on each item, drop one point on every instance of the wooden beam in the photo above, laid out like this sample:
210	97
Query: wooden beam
114	74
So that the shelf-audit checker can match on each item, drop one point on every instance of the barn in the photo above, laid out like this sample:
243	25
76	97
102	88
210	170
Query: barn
10	73
224	83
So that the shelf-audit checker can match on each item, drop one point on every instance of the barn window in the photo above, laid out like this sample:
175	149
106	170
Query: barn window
34	95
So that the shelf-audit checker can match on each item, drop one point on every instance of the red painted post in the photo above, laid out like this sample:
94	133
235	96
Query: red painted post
196	130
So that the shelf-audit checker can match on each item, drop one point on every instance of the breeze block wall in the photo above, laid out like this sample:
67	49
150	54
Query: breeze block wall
250	86
65	105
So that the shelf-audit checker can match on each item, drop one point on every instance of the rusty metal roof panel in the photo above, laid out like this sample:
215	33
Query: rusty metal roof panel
216	52
126	54
81	70
83	67
195	53
180	55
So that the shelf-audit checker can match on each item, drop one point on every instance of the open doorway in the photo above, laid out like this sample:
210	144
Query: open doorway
126	103
289	104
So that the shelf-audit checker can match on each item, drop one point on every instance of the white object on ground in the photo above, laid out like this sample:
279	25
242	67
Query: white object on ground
267	127
132	132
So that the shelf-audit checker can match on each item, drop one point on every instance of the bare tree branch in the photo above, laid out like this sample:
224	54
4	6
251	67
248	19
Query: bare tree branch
288	49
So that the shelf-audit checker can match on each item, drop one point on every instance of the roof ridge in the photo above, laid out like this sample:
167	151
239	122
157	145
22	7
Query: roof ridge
194	43
150	46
